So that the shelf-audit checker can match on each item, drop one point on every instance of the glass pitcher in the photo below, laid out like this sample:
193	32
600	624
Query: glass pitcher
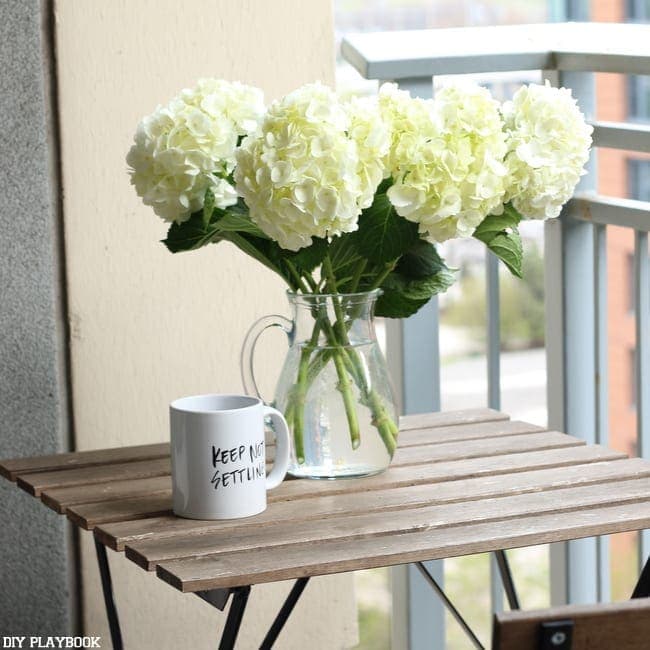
334	388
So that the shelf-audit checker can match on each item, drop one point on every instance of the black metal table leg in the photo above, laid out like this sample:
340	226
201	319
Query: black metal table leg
284	613
642	589
235	615
449	605
507	580
109	602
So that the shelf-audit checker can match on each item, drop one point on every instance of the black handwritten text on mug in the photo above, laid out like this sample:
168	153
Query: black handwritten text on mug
221	457
236	476
224	456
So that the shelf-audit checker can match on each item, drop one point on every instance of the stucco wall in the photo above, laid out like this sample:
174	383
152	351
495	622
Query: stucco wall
147	326
33	564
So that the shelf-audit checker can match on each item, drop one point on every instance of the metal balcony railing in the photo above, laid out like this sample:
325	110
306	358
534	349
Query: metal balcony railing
567	54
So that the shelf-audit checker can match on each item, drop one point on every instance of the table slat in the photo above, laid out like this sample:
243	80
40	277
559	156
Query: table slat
36	483
90	515
406	520
460	432
59	499
116	535
266	565
447	418
507	442
87	516
482	448
449	471
11	468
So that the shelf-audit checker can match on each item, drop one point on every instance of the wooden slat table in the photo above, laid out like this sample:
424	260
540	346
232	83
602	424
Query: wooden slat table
461	482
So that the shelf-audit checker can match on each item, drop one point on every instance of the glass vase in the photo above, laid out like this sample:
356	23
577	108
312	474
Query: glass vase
334	388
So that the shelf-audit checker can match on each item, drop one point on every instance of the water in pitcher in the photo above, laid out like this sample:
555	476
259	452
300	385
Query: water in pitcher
329	451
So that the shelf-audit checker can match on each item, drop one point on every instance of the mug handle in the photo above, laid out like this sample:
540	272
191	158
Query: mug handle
248	349
281	462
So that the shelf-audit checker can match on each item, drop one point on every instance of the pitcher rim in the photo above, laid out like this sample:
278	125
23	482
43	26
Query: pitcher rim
374	293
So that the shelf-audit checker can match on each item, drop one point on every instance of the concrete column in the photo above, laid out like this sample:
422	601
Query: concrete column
34	563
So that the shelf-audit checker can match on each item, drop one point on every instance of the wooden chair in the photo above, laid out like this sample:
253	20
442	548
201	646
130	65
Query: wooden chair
614	626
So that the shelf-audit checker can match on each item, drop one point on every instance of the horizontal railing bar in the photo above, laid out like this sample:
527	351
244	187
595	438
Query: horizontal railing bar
607	210
585	47
425	53
594	61
615	135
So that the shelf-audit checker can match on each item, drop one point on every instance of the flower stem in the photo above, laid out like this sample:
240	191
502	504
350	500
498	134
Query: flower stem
358	272
296	276
390	267
296	405
339	342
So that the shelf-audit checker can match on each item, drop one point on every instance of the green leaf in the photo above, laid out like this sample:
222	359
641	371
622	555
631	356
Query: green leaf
308	258
420	289
509	250
343	252
392	305
208	207
501	235
256	247
233	222
420	260
383	235
189	235
403	296
195	232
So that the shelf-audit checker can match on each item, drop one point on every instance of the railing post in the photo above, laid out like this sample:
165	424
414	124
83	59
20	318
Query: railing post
494	387
571	344
414	359
642	361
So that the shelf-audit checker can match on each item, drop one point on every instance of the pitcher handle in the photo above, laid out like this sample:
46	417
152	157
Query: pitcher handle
248	349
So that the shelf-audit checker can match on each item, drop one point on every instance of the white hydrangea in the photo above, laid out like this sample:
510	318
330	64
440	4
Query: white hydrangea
446	159
548	146
188	146
298	173
410	122
373	138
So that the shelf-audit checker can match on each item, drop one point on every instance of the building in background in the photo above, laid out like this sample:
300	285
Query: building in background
622	174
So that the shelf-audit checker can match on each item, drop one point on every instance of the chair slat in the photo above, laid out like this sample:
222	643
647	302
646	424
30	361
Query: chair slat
610	626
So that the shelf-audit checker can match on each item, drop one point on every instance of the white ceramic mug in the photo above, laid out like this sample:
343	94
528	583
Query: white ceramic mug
219	456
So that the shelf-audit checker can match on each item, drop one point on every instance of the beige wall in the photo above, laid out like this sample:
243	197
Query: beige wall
148	326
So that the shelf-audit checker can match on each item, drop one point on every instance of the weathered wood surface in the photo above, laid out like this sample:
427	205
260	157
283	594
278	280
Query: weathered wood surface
605	626
11	468
117	535
90	515
109	473
376	524
462	482
336	556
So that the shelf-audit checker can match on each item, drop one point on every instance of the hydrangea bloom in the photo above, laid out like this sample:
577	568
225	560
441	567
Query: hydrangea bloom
188	146
446	159
548	146
410	122
299	173
373	138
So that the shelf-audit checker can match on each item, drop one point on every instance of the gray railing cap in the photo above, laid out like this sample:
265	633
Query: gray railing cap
604	47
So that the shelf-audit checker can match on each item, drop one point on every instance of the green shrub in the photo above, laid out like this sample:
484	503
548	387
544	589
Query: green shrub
522	304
